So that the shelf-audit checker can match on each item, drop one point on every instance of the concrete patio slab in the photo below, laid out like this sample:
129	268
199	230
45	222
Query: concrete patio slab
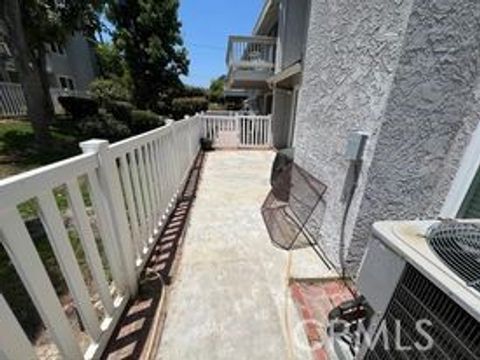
230	297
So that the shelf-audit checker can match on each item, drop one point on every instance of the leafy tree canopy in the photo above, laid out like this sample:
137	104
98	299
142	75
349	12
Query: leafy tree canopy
110	61
216	89
54	20
148	34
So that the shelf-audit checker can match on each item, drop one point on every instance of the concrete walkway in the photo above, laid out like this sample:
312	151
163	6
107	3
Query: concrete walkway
230	298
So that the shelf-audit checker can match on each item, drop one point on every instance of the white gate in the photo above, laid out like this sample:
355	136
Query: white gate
238	131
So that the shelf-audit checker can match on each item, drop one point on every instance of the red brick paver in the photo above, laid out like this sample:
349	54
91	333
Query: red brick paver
314	301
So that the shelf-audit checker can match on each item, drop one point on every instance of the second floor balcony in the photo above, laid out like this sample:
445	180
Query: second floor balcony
250	61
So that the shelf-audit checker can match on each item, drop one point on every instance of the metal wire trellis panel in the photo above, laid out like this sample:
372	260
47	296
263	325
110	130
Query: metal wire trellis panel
295	195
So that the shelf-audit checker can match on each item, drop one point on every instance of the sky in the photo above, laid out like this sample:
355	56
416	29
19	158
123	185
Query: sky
206	25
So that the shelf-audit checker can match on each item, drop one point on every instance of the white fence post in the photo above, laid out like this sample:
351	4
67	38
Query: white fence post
111	186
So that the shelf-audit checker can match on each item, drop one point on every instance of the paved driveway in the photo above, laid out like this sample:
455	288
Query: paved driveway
229	298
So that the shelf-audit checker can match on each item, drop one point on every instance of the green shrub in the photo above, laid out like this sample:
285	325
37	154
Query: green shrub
145	120
78	107
216	106
188	106
109	90
104	126
121	111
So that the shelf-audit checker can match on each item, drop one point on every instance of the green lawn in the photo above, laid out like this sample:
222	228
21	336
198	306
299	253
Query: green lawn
18	152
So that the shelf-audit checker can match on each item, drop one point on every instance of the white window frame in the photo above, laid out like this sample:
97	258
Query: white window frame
469	167
67	77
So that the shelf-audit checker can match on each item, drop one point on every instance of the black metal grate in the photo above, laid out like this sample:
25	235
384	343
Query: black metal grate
455	333
295	195
458	245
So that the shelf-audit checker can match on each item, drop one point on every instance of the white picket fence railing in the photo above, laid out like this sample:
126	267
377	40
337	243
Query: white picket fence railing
13	104
238	131
132	185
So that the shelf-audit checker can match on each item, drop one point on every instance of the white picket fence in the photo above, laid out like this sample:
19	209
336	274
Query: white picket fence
238	131
13	104
133	185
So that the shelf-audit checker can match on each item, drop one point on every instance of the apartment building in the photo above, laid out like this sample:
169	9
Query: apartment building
380	101
268	64
401	76
70	67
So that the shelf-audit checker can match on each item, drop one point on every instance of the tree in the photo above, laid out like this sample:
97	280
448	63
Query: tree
147	33
30	25
216	93
110	61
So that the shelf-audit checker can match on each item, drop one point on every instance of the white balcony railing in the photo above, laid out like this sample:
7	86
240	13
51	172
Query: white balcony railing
251	52
132	186
12	101
13	104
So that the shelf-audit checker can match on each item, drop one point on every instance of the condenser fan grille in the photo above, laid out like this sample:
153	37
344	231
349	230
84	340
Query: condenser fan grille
458	245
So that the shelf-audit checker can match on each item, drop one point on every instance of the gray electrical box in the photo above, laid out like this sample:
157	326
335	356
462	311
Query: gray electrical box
356	146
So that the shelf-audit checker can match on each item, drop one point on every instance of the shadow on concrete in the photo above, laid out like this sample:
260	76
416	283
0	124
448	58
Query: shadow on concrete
131	336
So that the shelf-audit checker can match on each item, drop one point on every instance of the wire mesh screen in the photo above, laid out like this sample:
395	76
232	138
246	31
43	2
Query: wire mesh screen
458	245
289	206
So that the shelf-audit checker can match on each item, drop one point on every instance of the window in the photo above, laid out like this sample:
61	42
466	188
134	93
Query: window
471	205
463	199
70	84
57	49
66	82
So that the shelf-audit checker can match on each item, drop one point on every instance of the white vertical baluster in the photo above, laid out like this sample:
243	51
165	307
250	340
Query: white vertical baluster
132	211
146	196
60	241
87	239
168	168
151	187
110	184
263	132
163	174
270	140
157	179
143	229
245	131
107	233
26	260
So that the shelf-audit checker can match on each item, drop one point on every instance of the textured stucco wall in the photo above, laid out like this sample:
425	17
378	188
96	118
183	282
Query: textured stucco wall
78	62
352	53
82	61
59	65
404	72
432	111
